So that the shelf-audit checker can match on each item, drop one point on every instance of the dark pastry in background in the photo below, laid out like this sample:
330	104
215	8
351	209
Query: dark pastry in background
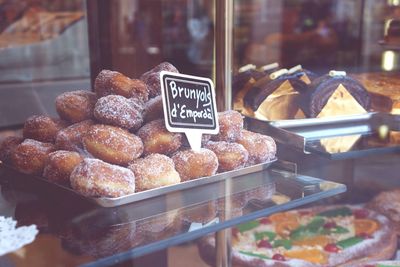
7	147
152	78
321	89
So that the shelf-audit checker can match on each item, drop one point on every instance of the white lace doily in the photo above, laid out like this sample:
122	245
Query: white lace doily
12	238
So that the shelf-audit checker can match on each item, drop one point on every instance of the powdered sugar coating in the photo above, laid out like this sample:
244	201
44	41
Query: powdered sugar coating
113	145
96	178
192	164
230	126
59	166
70	138
110	82
154	171
42	128
119	111
153	109
261	148
152	78
157	139
76	106
7	147
231	156
30	156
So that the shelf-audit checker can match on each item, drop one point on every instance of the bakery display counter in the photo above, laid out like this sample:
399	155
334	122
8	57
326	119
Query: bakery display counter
87	234
337	138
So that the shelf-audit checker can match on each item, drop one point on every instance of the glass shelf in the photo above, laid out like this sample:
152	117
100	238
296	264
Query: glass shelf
111	235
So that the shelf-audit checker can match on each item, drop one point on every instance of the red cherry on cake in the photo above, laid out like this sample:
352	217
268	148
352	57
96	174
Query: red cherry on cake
332	248
265	221
364	236
278	257
264	244
360	213
330	225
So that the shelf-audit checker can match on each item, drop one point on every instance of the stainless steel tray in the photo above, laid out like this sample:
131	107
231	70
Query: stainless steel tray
152	193
338	137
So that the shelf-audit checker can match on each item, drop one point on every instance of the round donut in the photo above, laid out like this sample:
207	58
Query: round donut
110	82
70	138
59	166
230	125
30	156
261	148
191	164
153	109
157	139
113	145
76	106
154	171
231	156
42	128
119	111
7	147
152	78
96	178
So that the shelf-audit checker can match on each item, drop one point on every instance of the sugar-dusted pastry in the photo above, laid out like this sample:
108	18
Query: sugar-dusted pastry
70	138
30	156
152	78
154	171
230	126
110	82
112	144
261	148
76	106
96	178
59	166
7	147
43	128
231	156
153	109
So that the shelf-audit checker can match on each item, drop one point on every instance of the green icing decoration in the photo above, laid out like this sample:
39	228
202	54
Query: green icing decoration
349	242
248	253
261	235
344	211
286	243
247	226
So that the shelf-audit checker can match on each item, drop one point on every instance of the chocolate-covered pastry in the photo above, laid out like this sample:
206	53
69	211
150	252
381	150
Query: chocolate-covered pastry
241	78
322	88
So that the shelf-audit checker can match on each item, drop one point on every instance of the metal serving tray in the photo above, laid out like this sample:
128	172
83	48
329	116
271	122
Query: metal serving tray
152	193
336	138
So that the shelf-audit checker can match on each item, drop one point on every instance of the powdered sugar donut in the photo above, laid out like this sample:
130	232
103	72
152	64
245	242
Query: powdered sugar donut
113	145
30	156
114	83
119	111
76	106
261	148
230	126
59	166
152	78
153	109
157	139
154	171
70	138
7	147
231	156
191	164
96	178
42	128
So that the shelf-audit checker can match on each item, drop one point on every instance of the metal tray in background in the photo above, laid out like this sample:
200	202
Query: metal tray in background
152	193
338	137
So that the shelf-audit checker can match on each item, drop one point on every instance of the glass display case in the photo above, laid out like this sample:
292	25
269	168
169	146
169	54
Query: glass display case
272	61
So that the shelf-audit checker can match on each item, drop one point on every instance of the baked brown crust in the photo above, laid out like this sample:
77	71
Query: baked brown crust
113	145
59	166
231	156
110	82
230	126
76	106
152	78
7	147
192	164
30	156
157	139
70	138
261	148
154	171
43	128
382	246
153	109
96	178
388	203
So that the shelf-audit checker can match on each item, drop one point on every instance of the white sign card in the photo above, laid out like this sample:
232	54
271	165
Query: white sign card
189	106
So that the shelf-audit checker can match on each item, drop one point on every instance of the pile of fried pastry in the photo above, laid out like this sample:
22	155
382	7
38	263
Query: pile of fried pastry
113	141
